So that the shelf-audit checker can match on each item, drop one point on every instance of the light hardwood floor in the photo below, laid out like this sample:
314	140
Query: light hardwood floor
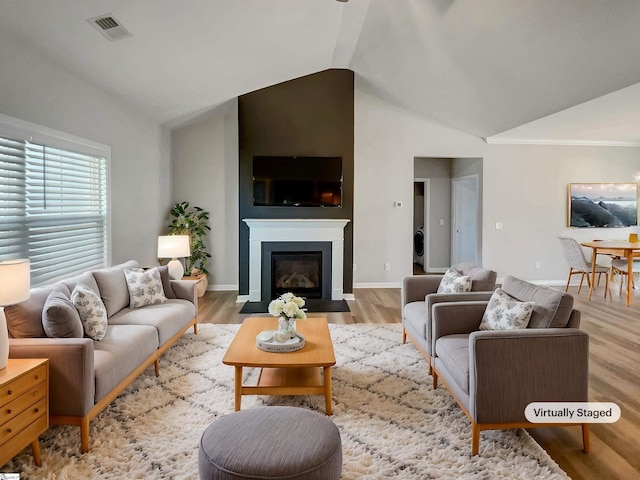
614	374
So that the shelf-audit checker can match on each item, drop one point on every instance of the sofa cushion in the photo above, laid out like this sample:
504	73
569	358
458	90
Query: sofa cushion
453	351
121	351
113	286
552	308
24	320
85	279
145	288
92	313
60	319
505	312
167	318
454	282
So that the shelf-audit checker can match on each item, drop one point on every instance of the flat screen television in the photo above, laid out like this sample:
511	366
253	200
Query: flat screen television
297	181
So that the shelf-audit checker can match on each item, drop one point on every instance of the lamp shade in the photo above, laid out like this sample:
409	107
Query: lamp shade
14	281
173	246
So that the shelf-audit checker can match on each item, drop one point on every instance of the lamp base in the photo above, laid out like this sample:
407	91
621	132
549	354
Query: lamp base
176	270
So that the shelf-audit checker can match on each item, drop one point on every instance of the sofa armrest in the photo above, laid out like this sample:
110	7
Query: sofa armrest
415	288
186	290
71	371
508	369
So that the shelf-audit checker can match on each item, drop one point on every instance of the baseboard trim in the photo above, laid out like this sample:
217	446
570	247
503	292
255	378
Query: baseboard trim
378	285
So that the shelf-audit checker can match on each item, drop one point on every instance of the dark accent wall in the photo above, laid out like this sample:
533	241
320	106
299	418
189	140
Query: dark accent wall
309	116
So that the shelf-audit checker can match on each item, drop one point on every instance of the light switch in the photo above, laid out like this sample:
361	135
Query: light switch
498	225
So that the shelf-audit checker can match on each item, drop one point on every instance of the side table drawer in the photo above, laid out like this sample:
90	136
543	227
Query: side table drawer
17	406
14	389
20	422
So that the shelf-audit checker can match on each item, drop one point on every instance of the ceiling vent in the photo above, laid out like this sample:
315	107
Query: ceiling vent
108	26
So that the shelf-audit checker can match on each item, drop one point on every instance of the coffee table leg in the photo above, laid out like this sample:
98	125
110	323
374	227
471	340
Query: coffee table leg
238	388
327	389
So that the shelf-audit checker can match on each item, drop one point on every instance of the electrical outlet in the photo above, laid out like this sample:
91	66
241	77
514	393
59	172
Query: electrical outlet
498	225
538	265
387	266
355	267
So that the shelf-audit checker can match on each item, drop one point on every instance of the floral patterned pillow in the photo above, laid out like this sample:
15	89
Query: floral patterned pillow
92	311
454	282
145	288
505	312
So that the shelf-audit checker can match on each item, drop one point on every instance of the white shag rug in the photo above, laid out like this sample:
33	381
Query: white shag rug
393	424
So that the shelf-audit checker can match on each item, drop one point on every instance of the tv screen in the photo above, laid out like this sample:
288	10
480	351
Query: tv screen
297	181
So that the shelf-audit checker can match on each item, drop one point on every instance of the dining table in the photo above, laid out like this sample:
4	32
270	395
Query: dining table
615	249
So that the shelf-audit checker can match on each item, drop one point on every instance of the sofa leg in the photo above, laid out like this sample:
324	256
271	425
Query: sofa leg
84	434
435	377
195	328
404	336
156	365
585	437
475	438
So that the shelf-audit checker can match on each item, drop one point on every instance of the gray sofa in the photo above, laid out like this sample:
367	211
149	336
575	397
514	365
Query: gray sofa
418	296
85	374
495	374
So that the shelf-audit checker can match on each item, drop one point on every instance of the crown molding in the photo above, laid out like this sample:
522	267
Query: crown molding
560	141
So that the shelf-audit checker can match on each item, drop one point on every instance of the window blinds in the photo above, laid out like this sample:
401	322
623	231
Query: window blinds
53	209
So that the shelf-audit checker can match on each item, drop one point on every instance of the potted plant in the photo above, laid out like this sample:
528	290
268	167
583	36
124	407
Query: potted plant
192	221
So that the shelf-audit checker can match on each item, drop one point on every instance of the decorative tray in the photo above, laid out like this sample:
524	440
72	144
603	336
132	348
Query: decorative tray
265	341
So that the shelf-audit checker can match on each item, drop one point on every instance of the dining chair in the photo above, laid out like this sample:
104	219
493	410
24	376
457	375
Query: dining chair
620	266
579	265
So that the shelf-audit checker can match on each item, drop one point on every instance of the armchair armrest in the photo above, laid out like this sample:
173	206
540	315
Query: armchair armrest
508	369
456	317
186	290
415	288
71	371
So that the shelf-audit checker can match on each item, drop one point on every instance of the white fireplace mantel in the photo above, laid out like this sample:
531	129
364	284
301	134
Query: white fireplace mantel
295	230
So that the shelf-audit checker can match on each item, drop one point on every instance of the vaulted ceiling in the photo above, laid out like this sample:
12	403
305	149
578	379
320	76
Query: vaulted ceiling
503	69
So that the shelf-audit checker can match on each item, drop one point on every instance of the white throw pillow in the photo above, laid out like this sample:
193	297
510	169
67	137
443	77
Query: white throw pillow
454	282
145	288
92	311
505	312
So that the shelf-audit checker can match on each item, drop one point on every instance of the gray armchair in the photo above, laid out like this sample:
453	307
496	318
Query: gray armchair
495	374
419	295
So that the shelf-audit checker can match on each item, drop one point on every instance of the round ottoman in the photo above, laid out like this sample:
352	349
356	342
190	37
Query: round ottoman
271	442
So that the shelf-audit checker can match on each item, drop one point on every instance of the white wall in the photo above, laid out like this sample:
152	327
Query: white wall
525	188
36	90
387	138
205	173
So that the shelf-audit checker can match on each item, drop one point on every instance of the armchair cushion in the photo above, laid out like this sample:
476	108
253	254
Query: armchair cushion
552	308
505	312
454	282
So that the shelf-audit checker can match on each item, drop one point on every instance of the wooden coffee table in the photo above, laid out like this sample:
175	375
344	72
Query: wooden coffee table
304	372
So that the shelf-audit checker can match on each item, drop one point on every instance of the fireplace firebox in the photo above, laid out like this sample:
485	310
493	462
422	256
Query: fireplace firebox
302	268
297	272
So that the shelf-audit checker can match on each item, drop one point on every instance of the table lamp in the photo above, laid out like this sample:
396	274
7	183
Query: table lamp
14	288
173	247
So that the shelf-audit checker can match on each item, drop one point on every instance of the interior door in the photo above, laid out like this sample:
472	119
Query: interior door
465	237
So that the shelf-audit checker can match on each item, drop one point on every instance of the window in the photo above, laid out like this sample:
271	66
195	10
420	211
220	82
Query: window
53	201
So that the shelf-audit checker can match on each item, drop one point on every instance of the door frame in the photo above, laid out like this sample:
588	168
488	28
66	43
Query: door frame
426	219
478	247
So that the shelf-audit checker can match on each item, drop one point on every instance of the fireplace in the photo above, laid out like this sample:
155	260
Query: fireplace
295	235
303	268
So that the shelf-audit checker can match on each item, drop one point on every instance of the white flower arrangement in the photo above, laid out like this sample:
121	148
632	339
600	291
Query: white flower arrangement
287	306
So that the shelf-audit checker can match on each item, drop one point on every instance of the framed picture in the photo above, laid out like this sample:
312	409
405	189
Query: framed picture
604	205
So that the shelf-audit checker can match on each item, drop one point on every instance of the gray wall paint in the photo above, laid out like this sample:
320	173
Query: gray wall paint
205	173
39	91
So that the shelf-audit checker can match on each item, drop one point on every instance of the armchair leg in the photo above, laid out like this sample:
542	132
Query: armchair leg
585	437
475	438
404	336
435	377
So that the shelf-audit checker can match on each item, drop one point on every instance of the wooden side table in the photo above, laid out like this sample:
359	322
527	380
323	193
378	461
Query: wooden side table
201	286
24	406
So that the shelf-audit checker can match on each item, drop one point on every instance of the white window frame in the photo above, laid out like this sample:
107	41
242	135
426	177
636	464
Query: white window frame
15	128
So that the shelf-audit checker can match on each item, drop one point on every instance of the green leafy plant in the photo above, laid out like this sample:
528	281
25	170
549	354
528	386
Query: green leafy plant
192	221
